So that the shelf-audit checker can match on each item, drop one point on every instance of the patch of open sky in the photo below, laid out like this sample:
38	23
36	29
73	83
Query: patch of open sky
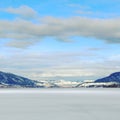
64	8
78	43
3	42
7	16
17	3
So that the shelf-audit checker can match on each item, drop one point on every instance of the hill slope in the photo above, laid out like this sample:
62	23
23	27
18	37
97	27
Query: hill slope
114	77
9	79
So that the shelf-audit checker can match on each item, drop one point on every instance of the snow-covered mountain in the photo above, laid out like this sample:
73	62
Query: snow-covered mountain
114	77
112	80
99	84
12	80
57	84
66	83
46	84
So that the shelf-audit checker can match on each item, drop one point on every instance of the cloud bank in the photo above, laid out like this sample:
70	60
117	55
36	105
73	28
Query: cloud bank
68	65
23	33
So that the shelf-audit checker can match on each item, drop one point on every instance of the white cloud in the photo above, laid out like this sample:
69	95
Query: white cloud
24	11
55	65
63	29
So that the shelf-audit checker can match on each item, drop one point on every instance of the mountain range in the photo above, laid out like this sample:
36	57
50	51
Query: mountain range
9	80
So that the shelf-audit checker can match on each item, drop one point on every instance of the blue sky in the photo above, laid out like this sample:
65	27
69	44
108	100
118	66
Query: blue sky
66	39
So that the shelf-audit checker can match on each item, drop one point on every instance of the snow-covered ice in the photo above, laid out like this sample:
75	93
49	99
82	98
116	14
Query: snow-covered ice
60	104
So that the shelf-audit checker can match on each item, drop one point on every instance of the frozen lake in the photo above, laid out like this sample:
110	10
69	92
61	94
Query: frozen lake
60	104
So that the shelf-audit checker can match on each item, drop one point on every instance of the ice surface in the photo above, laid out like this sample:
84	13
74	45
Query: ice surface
60	104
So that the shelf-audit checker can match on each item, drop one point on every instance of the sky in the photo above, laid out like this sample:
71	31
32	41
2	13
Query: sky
65	39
